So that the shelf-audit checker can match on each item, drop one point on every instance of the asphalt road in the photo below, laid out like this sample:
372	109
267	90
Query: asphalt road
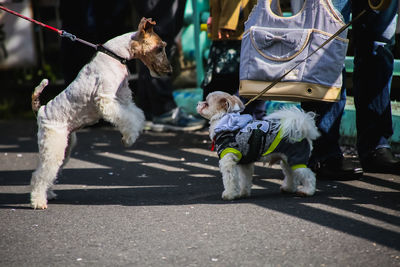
158	204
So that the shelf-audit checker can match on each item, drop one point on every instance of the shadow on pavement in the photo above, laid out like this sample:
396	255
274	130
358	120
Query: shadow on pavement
178	169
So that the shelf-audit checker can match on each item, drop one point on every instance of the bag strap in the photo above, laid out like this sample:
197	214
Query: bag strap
295	66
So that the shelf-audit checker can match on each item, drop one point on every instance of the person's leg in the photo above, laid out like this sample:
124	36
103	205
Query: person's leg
328	120
329	115
153	95
327	159
222	70
227	83
372	77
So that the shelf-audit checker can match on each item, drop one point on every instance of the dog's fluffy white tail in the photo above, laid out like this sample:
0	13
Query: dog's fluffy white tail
36	93
296	124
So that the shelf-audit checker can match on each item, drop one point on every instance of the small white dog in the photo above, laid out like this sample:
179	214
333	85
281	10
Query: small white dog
99	91
285	135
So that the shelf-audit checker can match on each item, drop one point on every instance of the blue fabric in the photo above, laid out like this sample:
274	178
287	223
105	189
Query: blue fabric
373	38
232	122
273	44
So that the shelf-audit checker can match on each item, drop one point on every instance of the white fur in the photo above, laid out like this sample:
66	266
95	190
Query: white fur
237	178
99	91
296	124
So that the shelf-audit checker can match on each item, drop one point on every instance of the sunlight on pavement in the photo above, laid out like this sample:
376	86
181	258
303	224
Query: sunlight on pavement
365	185
202	175
91	187
354	215
119	157
379	209
75	163
200	151
9	146
26	188
202	166
340	198
154	143
153	155
272	181
24	139
163	167
101	144
16	161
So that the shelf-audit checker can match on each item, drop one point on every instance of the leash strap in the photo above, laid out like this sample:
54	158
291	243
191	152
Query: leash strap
70	36
295	66
29	19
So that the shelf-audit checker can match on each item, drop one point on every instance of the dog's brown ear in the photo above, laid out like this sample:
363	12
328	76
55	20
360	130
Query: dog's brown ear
223	104
146	25
235	104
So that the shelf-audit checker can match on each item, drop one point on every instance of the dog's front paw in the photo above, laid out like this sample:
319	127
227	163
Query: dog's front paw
128	141
287	189
39	203
305	193
226	195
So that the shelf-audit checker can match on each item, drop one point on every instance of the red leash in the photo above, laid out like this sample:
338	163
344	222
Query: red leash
31	20
72	37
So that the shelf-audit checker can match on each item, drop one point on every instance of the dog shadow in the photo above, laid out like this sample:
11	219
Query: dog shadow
150	180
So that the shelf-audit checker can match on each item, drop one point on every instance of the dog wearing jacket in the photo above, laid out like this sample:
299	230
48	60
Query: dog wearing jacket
99	91
285	135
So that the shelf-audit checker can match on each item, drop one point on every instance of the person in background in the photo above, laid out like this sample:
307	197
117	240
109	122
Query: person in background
226	26
95	21
373	38
154	95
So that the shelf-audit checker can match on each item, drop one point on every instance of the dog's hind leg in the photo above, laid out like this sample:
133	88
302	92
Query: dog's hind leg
71	144
245	172
68	150
52	145
126	116
307	181
289	184
230	176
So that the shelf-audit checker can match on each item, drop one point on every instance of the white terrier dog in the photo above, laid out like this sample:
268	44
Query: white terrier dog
285	135
99	91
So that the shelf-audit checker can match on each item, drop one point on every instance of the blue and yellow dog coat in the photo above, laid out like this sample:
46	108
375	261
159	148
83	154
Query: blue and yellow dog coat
251	139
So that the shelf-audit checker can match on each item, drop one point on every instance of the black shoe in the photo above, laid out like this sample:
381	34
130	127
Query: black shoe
338	169
381	160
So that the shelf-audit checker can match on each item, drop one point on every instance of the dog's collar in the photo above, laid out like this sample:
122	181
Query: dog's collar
110	53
